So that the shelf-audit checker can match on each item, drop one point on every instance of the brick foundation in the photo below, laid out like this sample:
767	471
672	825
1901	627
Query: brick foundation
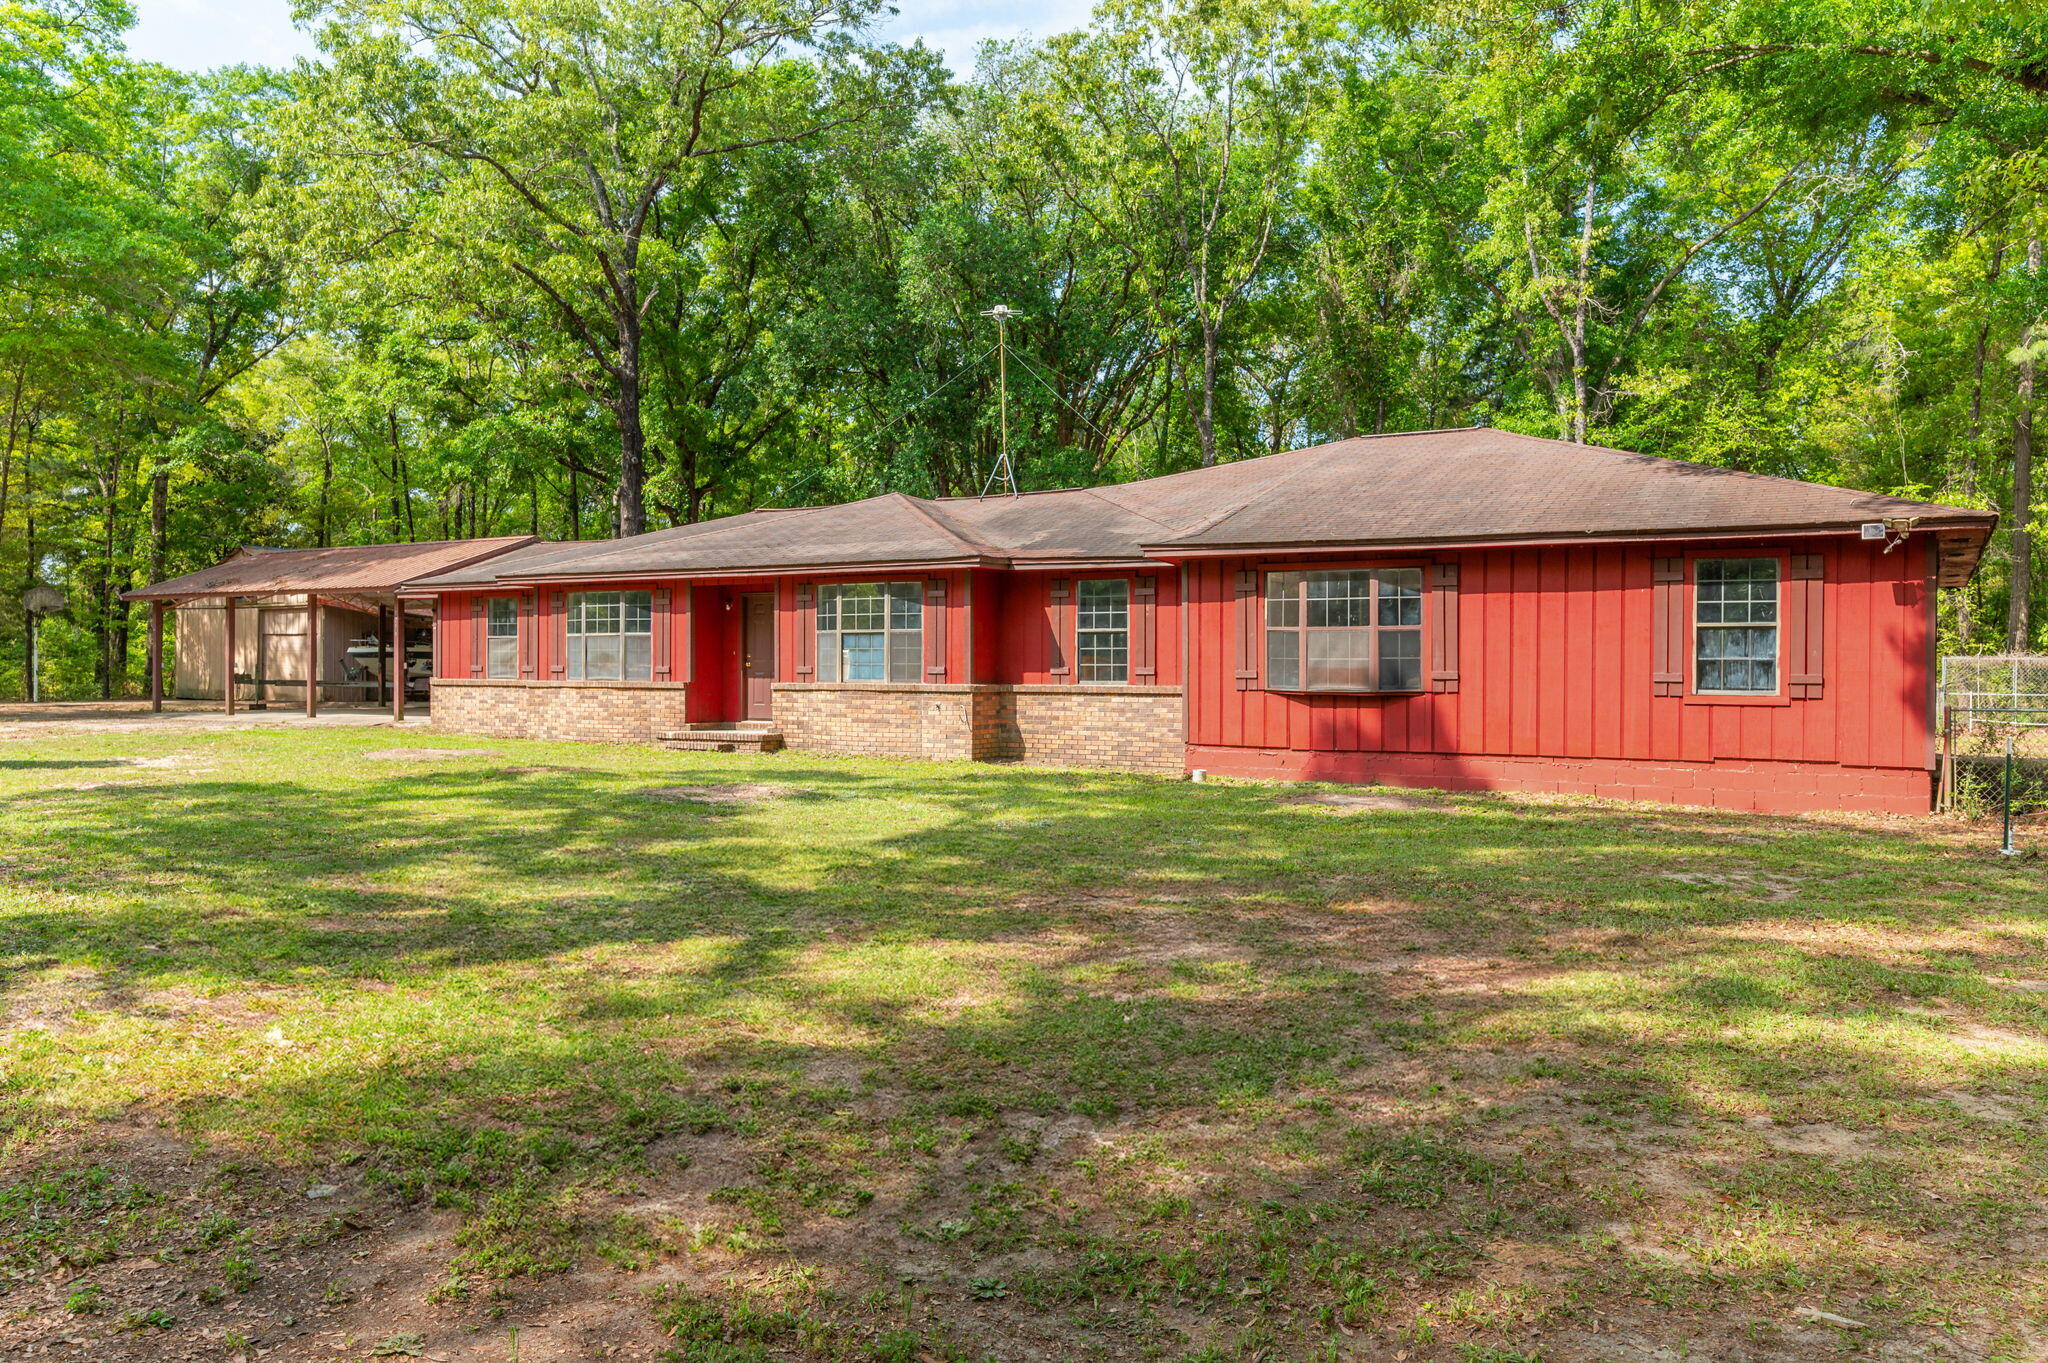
1123	728
1762	787
619	712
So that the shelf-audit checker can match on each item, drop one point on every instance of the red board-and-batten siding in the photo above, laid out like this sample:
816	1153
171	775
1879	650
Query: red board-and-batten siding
1018	626
1560	688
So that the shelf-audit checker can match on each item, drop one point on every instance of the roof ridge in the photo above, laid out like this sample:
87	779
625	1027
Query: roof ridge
932	518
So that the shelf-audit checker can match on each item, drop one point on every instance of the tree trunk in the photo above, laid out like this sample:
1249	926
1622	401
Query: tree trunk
1966	621
1205	420
2018	625
630	510
326	489
1579	311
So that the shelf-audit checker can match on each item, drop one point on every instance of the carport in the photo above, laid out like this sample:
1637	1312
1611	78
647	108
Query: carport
361	577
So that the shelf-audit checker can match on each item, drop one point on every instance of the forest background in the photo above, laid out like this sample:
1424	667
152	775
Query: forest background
584	267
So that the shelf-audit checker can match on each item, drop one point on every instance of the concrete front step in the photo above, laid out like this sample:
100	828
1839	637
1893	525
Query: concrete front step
694	739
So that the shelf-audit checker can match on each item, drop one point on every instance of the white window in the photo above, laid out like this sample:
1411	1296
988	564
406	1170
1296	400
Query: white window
611	636
501	637
1735	626
1348	630
871	631
1102	629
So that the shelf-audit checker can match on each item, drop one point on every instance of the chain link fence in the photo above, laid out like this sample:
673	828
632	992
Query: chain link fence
1994	735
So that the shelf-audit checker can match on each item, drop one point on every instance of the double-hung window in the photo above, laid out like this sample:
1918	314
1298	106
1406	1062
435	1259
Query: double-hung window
1735	626
611	636
1102	629
501	637
1357	629
871	631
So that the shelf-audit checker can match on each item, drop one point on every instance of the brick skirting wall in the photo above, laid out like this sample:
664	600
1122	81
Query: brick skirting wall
1761	787
622	712
1123	728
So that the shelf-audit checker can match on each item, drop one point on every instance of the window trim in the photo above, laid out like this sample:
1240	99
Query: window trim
1425	629
818	633
579	675
1691	693
1129	630
489	637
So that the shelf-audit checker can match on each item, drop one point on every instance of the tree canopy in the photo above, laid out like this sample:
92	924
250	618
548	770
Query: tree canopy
588	267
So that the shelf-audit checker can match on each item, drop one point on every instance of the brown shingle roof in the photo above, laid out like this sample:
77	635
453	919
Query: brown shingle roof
375	569
1410	489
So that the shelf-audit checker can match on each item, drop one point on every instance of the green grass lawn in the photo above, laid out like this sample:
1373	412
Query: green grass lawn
895	1061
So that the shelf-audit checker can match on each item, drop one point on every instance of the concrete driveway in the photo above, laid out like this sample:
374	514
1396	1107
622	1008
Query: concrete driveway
122	717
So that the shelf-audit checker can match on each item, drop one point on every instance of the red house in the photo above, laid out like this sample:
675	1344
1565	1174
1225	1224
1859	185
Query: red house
1468	609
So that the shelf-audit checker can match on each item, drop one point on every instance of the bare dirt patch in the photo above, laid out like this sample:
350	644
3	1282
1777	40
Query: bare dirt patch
1368	802
736	793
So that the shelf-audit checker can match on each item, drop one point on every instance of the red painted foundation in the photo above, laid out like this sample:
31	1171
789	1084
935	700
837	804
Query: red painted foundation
1754	786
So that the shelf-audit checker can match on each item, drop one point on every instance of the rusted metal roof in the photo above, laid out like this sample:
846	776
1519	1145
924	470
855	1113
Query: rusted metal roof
371	569
1473	486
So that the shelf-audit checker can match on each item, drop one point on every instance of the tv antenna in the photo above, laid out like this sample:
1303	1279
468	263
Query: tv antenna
1003	473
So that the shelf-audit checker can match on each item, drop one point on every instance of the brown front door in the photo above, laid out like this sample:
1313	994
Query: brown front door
757	654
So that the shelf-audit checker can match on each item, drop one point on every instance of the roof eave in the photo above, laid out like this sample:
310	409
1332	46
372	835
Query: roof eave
1983	521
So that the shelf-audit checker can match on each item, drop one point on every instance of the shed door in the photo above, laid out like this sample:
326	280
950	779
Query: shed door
758	654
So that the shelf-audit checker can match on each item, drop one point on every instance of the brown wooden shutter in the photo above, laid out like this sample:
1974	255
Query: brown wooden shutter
558	635
478	607
1805	637
528	639
1247	630
685	607
806	631
659	643
1667	627
1443	629
1145	629
1062	618
935	630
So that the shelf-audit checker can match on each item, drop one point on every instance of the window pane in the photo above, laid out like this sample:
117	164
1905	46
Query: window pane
1338	658
639	657
1104	655
1736	590
861	611
862	657
1283	660
501	658
601	657
906	655
1105	603
638	612
1737	658
1339	600
906	605
828	609
1400	660
501	617
828	657
1283	600
576	658
1401	596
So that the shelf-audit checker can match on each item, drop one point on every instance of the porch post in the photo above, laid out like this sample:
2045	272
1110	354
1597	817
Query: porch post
156	656
312	655
227	689
383	640
397	660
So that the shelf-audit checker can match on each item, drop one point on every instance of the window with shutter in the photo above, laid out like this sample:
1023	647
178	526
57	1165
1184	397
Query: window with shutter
1805	639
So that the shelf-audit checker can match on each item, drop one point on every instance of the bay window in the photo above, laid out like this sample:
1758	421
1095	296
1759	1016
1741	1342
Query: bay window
871	631
1355	629
611	636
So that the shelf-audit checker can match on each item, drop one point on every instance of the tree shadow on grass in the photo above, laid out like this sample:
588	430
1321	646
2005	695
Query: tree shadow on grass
486	972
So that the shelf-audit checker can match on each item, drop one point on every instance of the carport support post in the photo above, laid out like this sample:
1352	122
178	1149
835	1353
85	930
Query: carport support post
398	660
227	690
383	642
312	655
156	656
